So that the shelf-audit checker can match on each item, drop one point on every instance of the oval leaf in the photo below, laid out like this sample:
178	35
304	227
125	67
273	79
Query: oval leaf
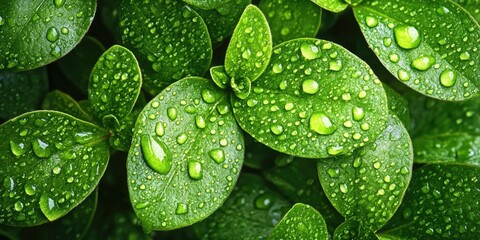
250	48
332	5
186	144
37	32
434	53
115	83
369	185
51	163
315	100
442	202
169	38
62	102
291	19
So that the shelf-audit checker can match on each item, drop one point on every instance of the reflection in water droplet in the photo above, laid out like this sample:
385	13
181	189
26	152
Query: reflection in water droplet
217	155
448	78
310	51
358	113
30	190
18	206
334	150
159	129
371	21
182	208
264	201
200	121
321	124
182	138
59	3
277	68
50	208
172	113
276	129
310	86
335	65
344	188
208	96
52	34
41	149
403	75
17	149
195	170
465	56
423	63
156	154
407	37
246	54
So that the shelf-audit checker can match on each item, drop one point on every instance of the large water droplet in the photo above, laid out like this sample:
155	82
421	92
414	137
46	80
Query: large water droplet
321	124
172	113
52	34
403	75
217	155
208	96
423	63
310	51
371	22
50	208
156	153
41	149
18	206
159	129
310	86
182	208
17	149
448	78
343	188
276	129
465	56
195	170
334	150
264	201
200	121
358	113
407	37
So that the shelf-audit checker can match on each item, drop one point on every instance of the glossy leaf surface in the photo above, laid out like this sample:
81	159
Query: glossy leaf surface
398	106
353	229
62	102
332	5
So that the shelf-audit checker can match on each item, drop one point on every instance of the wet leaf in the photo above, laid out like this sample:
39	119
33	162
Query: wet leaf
207	4
471	6
251	212
115	83
257	155
250	48
171	42
52	162
37	32
301	222
315	100
369	185
398	106
62	102
353	229
122	135
186	144
449	147
16	98
442	202
291	19
332	5
435	52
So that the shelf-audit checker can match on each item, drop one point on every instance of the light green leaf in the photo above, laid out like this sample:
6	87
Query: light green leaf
434	52
16	98
51	162
171	42
449	147
472	6
442	202
251	212
250	48
186	144
398	106
332	5
315	100
115	83
301	222
36	32
369	185
353	229
291	19
62	102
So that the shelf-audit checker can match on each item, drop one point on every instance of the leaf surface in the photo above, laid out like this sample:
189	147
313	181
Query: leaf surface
471	6
353	229
62	102
332	5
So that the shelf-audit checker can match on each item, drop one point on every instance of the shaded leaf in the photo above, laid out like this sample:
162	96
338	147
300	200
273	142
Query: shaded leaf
257	155
471	6
398	106
434	52
62	102
122	135
315	100
353	229
37	32
332	5
52	162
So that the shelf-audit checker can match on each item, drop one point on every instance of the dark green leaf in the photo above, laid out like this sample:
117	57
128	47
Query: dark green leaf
186	144
62	102
250	48
369	185
51	163
219	76
353	229
315	100
115	83
110	18
169	38
332	5
472	6
398	106
207	4
430	46
122	134
257	155
442	202
36	32
448	147
301	222
291	19
22	92
87	53
251	212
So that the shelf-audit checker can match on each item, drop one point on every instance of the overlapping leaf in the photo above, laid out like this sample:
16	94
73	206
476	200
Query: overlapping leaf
62	102
353	229
332	5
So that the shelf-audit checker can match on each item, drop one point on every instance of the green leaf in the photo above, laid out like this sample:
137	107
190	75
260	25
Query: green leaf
449	147
434	52
51	162
471	6
257	155
115	83
291	19
301	222
219	76
315	100
442	202
353	229
186	144
86	52
207	4
251	212
16	98
332	5
122	135
171	42
250	48
398	106
369	185
37	32
62	102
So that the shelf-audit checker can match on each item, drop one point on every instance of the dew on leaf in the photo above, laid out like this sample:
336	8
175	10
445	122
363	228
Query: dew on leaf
30	189
334	150
276	129
333	173
50	208
17	149
310	86
182	208
371	22
321	124
217	155
407	37
52	34
156	153
358	113
343	188
59	3
142	205
208	96
200	121
394	57
464	56
159	129
182	138
41	148
310	51
423	63
172	113
403	75
264	201
277	68
56	170
448	78
335	65
195	170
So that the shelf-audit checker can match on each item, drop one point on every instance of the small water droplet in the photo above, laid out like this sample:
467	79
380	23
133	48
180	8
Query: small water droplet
377	165
394	57
56	170
335	65
371	22
59	3
264	201
208	96
442	10
310	51
172	113
246	54
17	149
387	42
321	124
142	205
159	129
52	34
217	155
333	173
448	78
465	56
18	206
407	37
156	153
334	150
277	68
195	170
423	63
276	129
182	208
30	189
41	149
182	138
65	30
403	75
357	162
310	86
200	122
358	113
344	188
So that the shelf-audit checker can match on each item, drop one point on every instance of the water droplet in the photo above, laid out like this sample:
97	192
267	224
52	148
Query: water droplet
394	57
18	206
277	68
246	54
195	170
52	34
423	63
208	96
159	129
334	150
2	21
30	190
335	65
200	122
310	86
56	170
310	51
465	56
358	113
41	149
407	37
182	208
17	149
321	124
50	208
333	173
276	129
217	155
344	188
387	42
142	205
182	138
357	162
442	10
371	22
403	75
264	201
59	3
65	30
156	153
285	31
172	113
377	165
448	78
